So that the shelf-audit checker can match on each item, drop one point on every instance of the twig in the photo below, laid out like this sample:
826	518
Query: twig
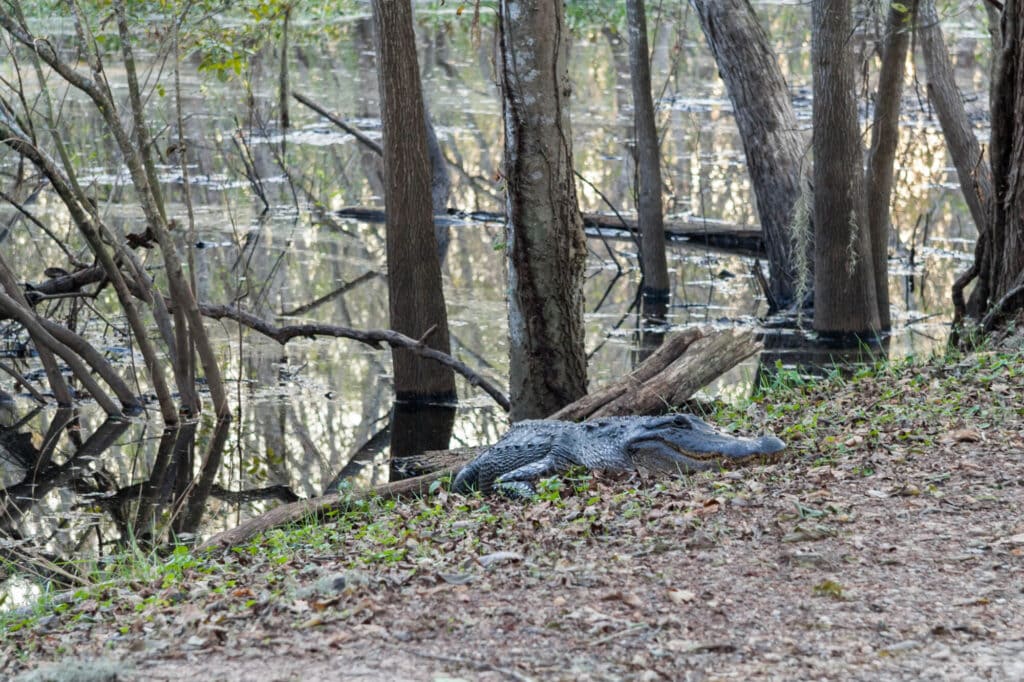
755	269
617	215
344	288
988	322
38	223
36	395
476	665
34	326
371	337
354	132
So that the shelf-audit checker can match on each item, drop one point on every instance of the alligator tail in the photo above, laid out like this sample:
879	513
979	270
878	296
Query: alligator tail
466	480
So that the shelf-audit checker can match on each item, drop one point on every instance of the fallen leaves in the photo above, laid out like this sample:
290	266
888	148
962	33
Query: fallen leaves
891	523
963	436
808	533
677	596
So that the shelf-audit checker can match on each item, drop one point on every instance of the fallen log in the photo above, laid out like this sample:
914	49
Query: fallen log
713	234
702	362
317	507
666	380
655	364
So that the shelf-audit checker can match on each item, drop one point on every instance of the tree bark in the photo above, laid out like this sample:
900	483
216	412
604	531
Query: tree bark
975	176
999	257
545	243
703	361
885	135
772	141
656	362
653	263
415	294
844	285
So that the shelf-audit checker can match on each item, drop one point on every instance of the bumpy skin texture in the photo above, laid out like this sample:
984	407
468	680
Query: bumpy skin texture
676	444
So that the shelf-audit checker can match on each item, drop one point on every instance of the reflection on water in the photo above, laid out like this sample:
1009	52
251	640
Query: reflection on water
313	411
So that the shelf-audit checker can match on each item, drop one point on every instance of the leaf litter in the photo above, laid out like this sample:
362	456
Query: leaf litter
888	544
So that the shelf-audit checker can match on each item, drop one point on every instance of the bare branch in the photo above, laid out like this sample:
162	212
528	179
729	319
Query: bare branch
10	307
371	337
344	288
354	132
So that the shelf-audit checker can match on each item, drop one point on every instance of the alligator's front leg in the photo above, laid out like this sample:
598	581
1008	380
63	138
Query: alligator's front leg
519	482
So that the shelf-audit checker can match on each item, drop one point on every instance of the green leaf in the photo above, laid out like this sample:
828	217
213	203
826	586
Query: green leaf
829	588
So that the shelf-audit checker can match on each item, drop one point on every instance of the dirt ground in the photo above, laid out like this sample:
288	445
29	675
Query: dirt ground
882	549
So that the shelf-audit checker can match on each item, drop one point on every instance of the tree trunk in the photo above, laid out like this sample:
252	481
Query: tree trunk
415	294
885	134
771	138
1008	157
545	242
975	178
999	256
653	263
844	286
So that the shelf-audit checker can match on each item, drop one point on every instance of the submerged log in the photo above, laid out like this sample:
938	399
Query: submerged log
714	234
666	380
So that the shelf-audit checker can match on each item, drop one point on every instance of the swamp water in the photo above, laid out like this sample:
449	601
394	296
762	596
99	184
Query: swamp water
302	411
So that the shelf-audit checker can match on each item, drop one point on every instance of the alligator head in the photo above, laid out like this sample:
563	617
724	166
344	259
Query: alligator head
682	443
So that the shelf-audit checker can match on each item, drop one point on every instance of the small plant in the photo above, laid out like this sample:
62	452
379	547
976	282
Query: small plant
829	588
550	489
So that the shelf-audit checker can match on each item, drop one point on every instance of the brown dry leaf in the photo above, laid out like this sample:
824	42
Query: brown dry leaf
680	596
627	598
503	557
324	604
963	436
710	506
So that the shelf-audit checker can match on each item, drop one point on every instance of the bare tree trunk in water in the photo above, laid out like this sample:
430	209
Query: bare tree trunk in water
655	293
844	285
282	78
415	292
885	134
975	178
773	144
440	186
998	298
545	242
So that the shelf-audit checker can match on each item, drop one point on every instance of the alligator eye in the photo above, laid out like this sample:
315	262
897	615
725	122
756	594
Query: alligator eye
682	421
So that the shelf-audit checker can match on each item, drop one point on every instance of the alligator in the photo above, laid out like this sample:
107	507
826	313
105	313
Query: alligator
675	444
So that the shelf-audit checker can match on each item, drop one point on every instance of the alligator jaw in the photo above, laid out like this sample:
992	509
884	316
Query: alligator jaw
685	451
